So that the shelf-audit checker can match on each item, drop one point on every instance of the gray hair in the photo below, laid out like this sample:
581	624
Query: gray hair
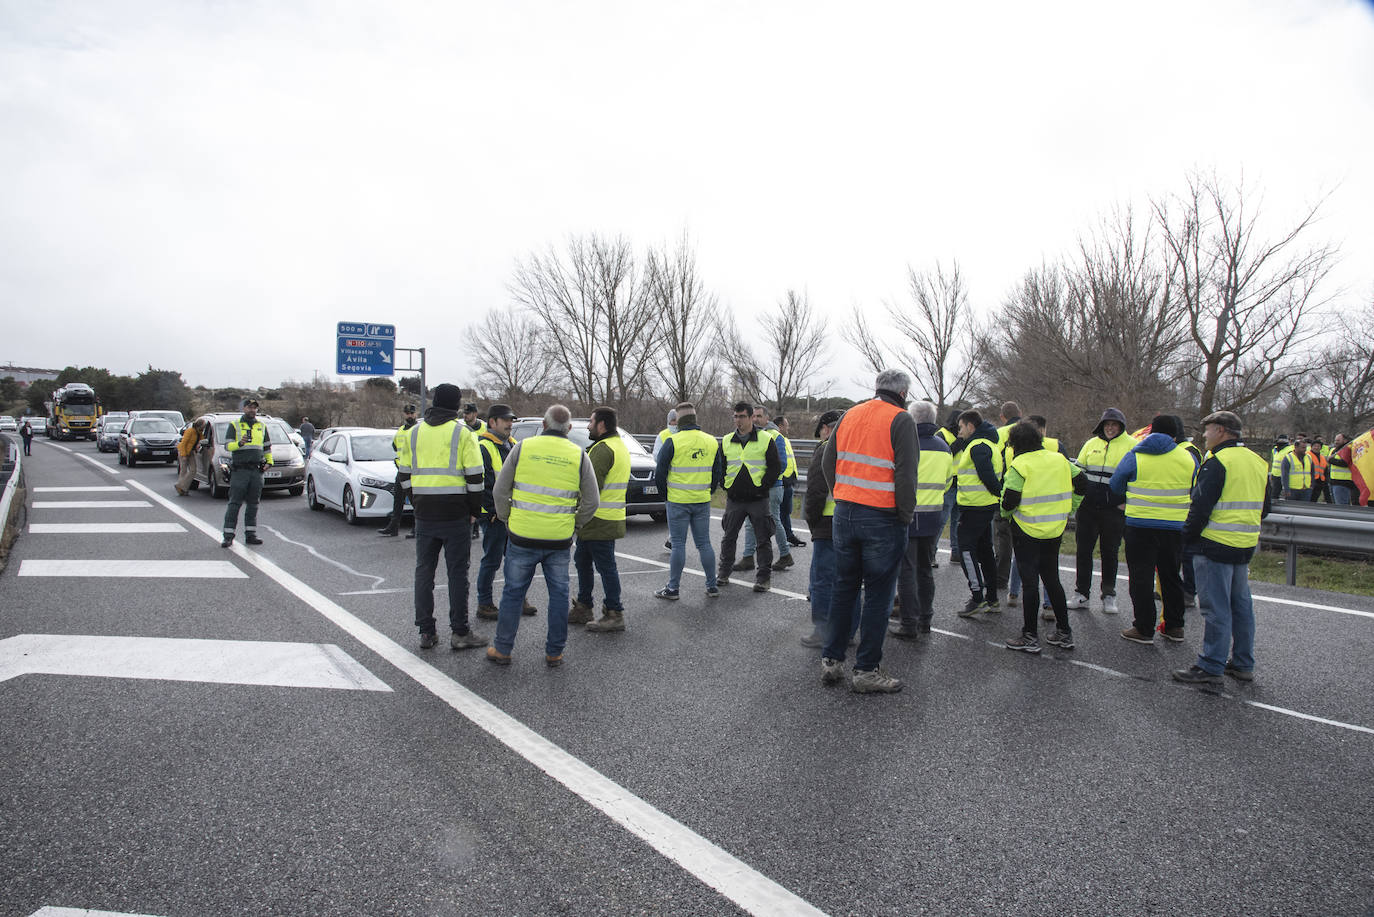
923	412
893	380
558	418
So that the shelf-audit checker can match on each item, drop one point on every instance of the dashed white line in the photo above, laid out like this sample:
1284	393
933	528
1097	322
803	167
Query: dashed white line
91	504
1098	668
113	488
133	569
1307	716
104	528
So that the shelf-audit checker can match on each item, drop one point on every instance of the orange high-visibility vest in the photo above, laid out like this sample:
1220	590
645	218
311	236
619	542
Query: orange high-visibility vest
865	466
1319	463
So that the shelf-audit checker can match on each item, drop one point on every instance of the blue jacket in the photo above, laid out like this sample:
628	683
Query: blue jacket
927	525
1154	444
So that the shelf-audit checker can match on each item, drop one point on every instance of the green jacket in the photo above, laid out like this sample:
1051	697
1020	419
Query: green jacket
602	529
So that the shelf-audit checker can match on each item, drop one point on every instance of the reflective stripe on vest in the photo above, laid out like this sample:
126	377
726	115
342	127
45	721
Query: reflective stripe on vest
1235	519
617	483
253	452
1299	471
493	452
400	444
1319	463
791	467
1046	493
1341	474
752	456
689	475
971	489
1276	460
865	465
548	475
1162	487
933	472
440	459
1099	457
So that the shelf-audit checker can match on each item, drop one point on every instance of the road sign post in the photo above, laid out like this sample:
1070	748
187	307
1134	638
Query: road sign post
366	349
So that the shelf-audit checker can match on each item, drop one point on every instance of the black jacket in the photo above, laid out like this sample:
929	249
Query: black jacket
813	504
744	490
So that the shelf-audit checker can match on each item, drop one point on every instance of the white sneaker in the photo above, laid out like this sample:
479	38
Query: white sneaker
1080	600
1013	600
1109	604
874	682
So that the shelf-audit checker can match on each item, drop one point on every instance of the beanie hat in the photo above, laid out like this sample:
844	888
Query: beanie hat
829	418
447	395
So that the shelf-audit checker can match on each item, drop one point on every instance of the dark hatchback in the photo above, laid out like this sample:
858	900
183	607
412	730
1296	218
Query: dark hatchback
642	497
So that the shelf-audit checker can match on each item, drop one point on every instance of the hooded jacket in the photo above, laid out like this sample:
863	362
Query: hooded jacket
1154	444
927	525
448	507
1100	495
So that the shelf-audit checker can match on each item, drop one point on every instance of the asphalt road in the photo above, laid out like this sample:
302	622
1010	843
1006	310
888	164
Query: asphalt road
1081	782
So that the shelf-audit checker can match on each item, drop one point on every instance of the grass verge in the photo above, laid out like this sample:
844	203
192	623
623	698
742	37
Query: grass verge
1334	574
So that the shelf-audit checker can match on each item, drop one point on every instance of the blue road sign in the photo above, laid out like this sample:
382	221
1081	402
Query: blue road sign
366	349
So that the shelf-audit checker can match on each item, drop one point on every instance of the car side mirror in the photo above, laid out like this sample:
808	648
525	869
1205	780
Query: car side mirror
339	457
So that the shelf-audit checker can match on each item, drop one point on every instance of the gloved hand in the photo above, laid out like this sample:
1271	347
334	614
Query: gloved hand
262	466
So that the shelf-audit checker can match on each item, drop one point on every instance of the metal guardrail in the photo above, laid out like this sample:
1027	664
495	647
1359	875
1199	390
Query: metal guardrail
1293	530
11	473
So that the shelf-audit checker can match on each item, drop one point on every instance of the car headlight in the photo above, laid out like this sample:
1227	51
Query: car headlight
373	482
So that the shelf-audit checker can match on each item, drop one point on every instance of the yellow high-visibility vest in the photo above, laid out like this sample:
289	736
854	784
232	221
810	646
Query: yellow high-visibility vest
1235	519
1162	487
253	450
971	489
439	459
548	480
752	456
933	474
1046	493
616	486
1299	471
1099	457
689	475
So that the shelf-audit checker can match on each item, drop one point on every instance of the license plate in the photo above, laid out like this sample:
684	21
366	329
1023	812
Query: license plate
272	474
651	490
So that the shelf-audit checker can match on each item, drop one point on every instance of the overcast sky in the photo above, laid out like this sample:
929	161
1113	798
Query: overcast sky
210	187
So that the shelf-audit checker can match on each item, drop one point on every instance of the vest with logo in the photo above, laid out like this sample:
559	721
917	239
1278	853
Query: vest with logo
689	475
548	479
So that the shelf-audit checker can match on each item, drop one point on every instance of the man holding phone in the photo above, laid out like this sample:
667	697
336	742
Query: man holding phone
250	452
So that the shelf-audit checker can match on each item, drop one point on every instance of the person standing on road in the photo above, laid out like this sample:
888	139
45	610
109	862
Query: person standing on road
596	540
688	473
979	469
818	506
26	434
444	463
1100	520
186	455
1342	478
789	482
949	514
1229	499
546	493
1155	478
915	581
750	466
400	442
1280	448
1295	472
666	431
870	465
250	452
1001	528
496	444
784	560
308	434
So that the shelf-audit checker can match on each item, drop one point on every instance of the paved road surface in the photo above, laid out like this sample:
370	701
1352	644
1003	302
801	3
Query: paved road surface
221	778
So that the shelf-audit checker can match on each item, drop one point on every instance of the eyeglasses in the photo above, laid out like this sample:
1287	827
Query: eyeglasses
743	416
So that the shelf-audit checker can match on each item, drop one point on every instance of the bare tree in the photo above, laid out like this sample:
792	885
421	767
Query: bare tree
508	351
935	335
687	316
1247	300
1346	381
792	347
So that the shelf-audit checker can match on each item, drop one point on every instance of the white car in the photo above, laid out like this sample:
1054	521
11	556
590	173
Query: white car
8	424
352	470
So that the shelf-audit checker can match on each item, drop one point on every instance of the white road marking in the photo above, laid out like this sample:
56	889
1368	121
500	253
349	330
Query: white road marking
950	633
63	448
1098	668
79	490
91	504
496	582
144	569
108	469
1307	716
226	662
376	580
104	528
733	878
51	911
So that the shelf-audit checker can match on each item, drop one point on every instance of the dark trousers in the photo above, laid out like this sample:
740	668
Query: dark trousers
788	489
1038	559
1002	550
601	555
245	490
398	500
916	581
1320	490
975	550
756	512
1150	552
28	445
493	553
454	538
1098	524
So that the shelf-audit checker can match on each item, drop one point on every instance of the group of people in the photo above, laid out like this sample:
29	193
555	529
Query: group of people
1306	469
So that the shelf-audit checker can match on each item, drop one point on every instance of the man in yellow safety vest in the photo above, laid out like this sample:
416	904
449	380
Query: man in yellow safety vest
596	541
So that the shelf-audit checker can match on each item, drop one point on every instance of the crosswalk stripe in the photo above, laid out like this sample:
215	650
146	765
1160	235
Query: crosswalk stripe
151	569
80	490
91	504
104	528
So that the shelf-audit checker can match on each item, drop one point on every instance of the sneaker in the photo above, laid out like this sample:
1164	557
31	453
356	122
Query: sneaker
904	632
744	563
713	592
1173	633
581	613
832	671
1080	601
1136	636
498	657
992	607
488	612
1060	638
1013	600
553	662
1025	643
388	532
666	593
972	607
668	545
783	562
410	534
428	641
1046	613
763	585
228	540
1109	604
1239	674
874	682
795	542
467	641
251	538
529	610
1196	675
813	640
610	622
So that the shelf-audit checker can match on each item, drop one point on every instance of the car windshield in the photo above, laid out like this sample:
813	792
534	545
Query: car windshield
278	432
173	417
577	434
374	448
152	425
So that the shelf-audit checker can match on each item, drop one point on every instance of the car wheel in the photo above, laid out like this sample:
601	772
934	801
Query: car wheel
350	511
213	482
194	485
130	460
296	491
659	517
311	500
121	456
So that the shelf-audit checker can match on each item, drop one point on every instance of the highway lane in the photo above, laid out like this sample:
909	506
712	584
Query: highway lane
995	781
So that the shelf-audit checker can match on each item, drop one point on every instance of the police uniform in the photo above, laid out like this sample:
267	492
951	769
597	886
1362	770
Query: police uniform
250	452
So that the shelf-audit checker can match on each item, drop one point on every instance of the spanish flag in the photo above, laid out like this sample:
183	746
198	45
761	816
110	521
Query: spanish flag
1360	455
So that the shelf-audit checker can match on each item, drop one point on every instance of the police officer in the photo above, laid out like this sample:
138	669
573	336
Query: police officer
250	452
401	485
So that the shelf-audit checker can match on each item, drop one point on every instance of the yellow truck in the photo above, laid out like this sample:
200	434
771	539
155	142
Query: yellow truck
72	412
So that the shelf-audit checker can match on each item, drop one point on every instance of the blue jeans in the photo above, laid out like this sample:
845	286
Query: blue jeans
949	513
779	533
493	552
1223	592
868	553
455	540
520	565
697	518
1342	494
822	585
602	555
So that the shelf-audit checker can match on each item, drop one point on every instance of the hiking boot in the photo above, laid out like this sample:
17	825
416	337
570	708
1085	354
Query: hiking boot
904	631
722	579
1046	613
388	532
428	641
610	622
1080	601
874	682
783	562
832	671
1013	600
1173	633
666	593
813	640
1060	638
1025	643
553	662
581	612
1196	675
763	585
744	563
488	612
467	641
972	607
529	610
713	592
498	657
251	538
1109	605
228	540
1239	674
1136	636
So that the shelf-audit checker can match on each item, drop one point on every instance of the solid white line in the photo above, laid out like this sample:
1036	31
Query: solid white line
496	582
1098	668
950	633
108	469
1307	716
104	528
63	448
150	569
79	490
51	911
91	504
736	880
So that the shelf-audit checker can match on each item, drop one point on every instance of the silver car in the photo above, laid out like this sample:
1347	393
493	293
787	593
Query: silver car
212	459
107	440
